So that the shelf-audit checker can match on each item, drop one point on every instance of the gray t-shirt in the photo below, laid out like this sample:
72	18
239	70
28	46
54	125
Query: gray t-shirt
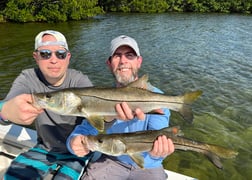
52	129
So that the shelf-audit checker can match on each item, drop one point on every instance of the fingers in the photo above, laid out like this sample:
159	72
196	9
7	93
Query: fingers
126	113
139	114
158	111
162	147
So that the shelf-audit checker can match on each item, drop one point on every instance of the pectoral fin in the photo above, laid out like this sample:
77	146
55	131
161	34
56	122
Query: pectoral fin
138	159
97	122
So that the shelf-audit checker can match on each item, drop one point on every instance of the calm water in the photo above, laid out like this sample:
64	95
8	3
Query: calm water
182	52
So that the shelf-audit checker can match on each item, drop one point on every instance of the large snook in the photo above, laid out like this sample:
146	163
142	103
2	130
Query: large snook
133	144
98	104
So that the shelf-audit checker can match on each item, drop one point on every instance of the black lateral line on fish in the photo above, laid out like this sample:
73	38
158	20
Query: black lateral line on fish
140	100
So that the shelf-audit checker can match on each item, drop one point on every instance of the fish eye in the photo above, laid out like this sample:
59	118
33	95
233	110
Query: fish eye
100	140
48	95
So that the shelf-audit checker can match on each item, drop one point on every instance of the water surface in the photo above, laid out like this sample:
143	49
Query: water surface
181	52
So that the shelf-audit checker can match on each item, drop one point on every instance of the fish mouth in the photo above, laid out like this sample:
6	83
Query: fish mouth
91	145
37	102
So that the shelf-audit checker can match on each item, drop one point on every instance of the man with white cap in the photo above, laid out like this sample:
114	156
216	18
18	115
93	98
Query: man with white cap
124	62
50	155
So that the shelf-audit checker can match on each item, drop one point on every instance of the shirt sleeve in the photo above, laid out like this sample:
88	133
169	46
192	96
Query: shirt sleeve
85	128
19	86
156	122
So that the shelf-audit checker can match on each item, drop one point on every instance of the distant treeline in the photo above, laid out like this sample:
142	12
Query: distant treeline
64	10
48	10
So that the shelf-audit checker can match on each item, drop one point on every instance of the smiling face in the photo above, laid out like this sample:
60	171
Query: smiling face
124	64
53	68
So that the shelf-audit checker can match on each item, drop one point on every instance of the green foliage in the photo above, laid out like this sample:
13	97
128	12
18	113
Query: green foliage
149	6
17	10
157	6
50	10
176	5
64	10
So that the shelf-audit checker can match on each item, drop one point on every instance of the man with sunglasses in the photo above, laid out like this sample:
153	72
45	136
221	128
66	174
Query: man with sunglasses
124	62
50	155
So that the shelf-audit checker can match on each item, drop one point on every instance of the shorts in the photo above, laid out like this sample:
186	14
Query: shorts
109	168
38	164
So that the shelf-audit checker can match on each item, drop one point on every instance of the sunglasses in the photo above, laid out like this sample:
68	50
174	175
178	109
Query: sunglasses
129	55
47	54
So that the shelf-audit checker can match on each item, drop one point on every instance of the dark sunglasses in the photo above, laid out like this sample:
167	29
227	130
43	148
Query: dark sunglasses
47	54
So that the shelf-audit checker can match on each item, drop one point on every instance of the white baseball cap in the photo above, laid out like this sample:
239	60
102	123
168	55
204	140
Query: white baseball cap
61	40
124	40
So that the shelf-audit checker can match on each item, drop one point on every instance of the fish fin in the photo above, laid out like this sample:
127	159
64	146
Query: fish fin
97	122
186	113
175	130
190	97
138	159
186	110
140	83
214	158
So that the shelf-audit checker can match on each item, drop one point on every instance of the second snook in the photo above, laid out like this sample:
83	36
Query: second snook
133	144
98	104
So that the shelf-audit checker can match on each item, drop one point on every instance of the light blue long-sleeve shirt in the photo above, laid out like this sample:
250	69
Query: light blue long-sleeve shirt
151	122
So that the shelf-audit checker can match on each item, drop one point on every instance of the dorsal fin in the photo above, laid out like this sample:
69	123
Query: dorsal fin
140	83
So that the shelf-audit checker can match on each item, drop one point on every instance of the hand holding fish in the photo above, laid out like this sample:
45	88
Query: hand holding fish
133	144
125	113
20	110
162	147
79	145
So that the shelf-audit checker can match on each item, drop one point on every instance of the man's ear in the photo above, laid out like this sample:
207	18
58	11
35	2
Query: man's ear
140	60
108	62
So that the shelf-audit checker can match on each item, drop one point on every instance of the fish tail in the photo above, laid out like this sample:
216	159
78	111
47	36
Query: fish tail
190	97
214	153
214	158
186	110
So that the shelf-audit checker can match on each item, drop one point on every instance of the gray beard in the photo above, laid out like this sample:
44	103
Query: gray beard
125	80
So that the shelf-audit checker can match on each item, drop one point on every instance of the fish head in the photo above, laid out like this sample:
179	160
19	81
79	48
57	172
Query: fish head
107	144
99	143
60	102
